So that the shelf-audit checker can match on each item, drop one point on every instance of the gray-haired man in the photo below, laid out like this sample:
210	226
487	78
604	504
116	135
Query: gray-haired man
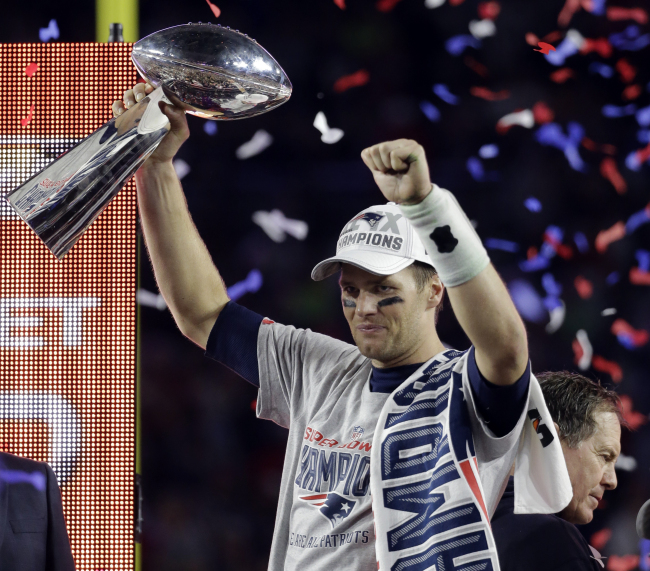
588	420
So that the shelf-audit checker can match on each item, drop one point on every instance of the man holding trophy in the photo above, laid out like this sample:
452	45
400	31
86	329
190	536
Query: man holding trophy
398	449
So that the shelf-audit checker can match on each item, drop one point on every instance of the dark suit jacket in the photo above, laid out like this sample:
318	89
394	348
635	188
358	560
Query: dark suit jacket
33	536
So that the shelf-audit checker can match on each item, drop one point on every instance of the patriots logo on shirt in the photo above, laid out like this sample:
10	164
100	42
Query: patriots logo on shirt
334	507
370	217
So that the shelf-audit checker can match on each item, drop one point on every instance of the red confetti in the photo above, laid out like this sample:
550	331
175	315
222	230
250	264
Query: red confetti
609	170
561	249
623	563
567	12
617	13
386	5
606	237
485	93
31	69
267	321
642	155
608	149
531	39
631	92
488	10
633	417
476	66
456	2
531	253
24	122
214	8
638	337
600	538
639	277
561	75
553	36
356	79
600	45
626	70
546	48
254	405
542	113
584	287
587	143
340	4
613	369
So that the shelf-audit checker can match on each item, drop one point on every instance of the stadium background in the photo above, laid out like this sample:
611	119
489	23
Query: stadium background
210	470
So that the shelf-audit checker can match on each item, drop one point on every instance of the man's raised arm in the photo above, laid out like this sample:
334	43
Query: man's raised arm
478	296
186	276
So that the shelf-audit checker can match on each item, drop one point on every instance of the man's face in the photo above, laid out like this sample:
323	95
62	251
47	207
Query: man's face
386	314
591	468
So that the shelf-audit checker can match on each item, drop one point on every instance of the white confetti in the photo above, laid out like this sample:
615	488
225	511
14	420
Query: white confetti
433	3
181	168
524	118
277	226
260	141
328	135
587	350
150	299
608	311
626	463
482	28
557	318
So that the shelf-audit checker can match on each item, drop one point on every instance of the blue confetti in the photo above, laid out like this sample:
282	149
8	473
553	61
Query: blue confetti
596	7
527	301
498	244
566	49
629	39
430	110
581	242
601	68
643	257
539	262
551	134
643	116
615	111
550	285
612	278
251	284
637	219
457	44
49	33
475	168
533	204
644	549
488	151
210	127
632	161
643	135
440	89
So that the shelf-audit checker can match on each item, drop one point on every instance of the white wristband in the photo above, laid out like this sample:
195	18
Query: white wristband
449	238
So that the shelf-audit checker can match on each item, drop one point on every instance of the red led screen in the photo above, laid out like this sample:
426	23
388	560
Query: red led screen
67	328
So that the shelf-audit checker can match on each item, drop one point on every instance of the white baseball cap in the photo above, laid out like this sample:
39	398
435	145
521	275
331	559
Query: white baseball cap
380	240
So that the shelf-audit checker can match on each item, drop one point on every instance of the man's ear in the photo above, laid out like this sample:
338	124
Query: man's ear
436	291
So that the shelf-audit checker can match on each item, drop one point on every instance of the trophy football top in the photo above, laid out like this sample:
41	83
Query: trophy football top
212	71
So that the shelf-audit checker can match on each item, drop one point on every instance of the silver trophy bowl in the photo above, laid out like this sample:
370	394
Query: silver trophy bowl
210	71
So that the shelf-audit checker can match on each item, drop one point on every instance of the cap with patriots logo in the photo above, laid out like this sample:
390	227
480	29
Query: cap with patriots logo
379	239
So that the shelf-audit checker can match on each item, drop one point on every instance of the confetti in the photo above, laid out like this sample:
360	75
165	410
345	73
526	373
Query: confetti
553	238
569	46
625	70
600	538
606	237
584	287
542	113
622	563
626	463
181	168
582	350
485	93
488	151
601	68
596	7
488	10
616	13
355	79
386	5
608	311
557	318
150	299
524	118
643	257
456	45
527	301
643	135
340	4
639	277
609	170
499	244
602	365
631	92
482	28
627	336
551	134
442	91
637	219
430	110
643	116
328	135
277	226
31	69
569	9
433	3
475	168
614	111
25	121
562	75
533	204
476	66
599	45
634	418
630	39
581	242
545	48
49	33
215	9
251	284
261	140
210	127
612	278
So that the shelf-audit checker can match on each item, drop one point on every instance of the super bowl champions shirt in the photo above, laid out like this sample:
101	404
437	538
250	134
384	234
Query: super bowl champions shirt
322	390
